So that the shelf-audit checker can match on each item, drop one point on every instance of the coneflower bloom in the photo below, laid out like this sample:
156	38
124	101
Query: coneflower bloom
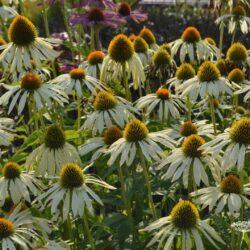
236	18
93	64
25	46
121	54
6	12
109	110
136	137
17	230
6	131
229	192
78	80
52	154
184	129
237	55
238	76
234	141
167	105
208	82
32	86
189	160
99	3
124	10
183	223
72	192
17	184
191	47
149	37
99	145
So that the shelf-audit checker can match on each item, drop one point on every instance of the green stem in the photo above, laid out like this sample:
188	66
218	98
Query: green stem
125	82
213	114
146	176
233	35
233	234
221	40
163	115
45	19
21	7
97	38
92	38
78	113
189	111
86	225
79	43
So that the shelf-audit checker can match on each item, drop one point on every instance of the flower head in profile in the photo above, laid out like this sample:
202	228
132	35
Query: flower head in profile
49	157
121	52
230	192
136	137
191	47
233	144
32	86
183	223
237	54
149	37
73	182
25	46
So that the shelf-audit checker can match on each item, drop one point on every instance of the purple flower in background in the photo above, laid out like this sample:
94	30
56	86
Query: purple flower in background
98	16
62	36
125	11
100	3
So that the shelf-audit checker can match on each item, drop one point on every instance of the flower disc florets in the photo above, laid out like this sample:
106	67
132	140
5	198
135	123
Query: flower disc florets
210	40
7	228
22	31
124	9
112	134
188	128
185	215
96	15
140	45
237	53
54	137
120	48
135	130
191	144
239	11
191	35
77	74
222	66
95	57
31	82
208	72
163	94
147	35
167	47
185	72
104	101
240	110
236	75
240	131
11	170
231	184
161	58
71	176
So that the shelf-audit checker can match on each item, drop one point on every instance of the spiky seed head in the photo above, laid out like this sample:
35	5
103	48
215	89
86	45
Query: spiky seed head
161	58
148	36
163	94
237	53
208	72
54	137
11	170
112	134
135	130
231	184
239	10
124	9
167	47
96	15
240	131
140	45
31	82
191	35
95	57
7	228
132	37
222	66
191	144
104	101
185	71
188	128
236	75
77	74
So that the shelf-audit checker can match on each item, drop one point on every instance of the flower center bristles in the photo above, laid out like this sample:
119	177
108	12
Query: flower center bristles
240	110
210	40
239	11
104	101
222	66
54	137
231	184
71	176
22	31
240	131
8	205
167	47
96	15
95	57
31	82
184	215
161	58
135	130
237	53
120	49
140	45
191	144
132	37
236	75
208	72
148	36
11	170
112	134
2	41
188	128
191	35
163	94
124	9
7	228
185	72
77	74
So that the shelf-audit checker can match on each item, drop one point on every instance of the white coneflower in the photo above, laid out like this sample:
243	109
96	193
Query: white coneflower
189	161
238	76
52	154
183	223
31	86
16	230
237	55
109	110
167	105
78	79
190	47
93	64
17	184
208	82
180	131
229	192
25	46
234	141
236	18
98	145
122	63
6	131
6	12
149	37
137	137
72	192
